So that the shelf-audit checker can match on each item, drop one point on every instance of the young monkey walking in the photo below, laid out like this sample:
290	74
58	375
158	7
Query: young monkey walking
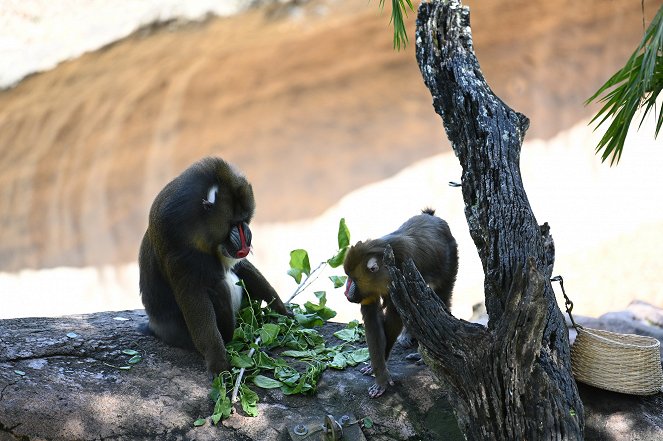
428	241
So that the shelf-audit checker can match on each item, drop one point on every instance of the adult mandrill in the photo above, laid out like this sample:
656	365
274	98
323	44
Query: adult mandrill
428	241
192	257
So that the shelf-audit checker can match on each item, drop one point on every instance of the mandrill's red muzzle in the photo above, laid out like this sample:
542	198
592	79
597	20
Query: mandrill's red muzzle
245	247
351	291
239	241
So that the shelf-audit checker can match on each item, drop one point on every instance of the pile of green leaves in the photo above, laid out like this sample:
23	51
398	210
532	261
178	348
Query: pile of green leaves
287	353
291	355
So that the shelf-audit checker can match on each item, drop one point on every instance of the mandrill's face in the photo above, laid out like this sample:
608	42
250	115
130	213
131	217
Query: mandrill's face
367	281
227	209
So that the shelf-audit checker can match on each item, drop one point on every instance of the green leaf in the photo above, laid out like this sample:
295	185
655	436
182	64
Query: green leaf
239	335
338	281
294	390
351	333
222	405
135	359
266	382
287	375
338	259
343	235
241	361
309	320
324	313
367	422
339	361
130	352
299	264
218	387
298	354
358	356
199	422
312	376
249	400
222	409
264	361
21	373
312	337
295	341
346	334
268	333
320	309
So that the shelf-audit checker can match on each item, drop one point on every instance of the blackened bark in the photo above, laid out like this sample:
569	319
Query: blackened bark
512	380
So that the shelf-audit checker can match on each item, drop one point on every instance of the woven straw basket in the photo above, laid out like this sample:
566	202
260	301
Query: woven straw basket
626	363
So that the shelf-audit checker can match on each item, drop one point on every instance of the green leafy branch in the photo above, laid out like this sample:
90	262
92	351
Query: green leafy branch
300	264
634	86
398	11
301	355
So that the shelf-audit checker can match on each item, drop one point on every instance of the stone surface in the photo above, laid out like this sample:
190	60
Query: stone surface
70	389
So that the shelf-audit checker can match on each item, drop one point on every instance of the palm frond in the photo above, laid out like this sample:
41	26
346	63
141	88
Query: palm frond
398	12
631	88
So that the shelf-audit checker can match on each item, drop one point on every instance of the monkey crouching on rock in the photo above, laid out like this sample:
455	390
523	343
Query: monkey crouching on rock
427	240
192	258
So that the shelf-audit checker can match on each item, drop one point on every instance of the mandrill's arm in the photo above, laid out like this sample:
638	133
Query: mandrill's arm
200	319
375	338
258	287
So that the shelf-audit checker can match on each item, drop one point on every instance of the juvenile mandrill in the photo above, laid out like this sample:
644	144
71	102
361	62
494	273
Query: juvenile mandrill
428	241
192	257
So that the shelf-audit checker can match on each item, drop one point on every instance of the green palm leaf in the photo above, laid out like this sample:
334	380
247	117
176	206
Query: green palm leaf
635	86
398	11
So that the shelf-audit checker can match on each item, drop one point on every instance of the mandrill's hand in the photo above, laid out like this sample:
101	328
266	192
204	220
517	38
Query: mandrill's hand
288	311
217	364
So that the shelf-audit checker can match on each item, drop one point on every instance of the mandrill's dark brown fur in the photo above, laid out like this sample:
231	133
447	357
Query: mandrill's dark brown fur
192	256
428	241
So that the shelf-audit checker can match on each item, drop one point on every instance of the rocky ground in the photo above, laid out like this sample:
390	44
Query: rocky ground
59	380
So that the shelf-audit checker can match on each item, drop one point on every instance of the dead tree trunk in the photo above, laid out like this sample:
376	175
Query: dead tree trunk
512	380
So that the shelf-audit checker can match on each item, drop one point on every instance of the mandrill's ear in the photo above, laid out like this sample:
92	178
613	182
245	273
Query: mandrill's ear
372	264
211	197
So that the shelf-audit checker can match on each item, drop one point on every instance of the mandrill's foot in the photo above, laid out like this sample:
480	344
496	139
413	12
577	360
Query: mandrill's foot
414	357
376	390
367	370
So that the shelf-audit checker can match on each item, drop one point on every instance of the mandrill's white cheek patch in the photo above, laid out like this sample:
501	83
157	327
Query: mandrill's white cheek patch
211	194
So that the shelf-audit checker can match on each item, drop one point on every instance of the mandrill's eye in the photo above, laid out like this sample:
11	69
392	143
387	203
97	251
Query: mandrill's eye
211	197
